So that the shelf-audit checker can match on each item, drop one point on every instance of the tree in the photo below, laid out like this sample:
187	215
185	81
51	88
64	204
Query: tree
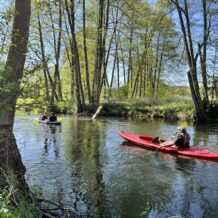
10	159
70	9
184	18
103	10
86	53
57	39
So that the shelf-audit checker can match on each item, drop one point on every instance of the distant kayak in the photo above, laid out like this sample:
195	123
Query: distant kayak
146	141
57	123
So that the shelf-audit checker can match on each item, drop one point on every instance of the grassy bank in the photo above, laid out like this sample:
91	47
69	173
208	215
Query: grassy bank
150	109
170	108
166	109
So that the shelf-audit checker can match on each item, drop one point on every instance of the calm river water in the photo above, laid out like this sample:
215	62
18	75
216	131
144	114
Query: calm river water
85	163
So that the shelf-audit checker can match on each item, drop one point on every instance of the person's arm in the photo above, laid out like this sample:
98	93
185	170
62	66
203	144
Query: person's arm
167	143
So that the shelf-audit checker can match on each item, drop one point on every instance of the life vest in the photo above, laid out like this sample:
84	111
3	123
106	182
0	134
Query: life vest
180	139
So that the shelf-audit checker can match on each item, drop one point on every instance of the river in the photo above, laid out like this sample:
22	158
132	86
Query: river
85	164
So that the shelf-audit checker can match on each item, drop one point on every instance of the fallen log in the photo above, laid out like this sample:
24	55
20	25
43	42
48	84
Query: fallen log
97	112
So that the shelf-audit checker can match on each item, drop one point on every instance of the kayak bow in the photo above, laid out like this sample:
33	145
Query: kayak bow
146	141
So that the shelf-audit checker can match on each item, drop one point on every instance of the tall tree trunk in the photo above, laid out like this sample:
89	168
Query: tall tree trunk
154	80
159	68
68	46
106	56
188	42
99	56
57	49
129	71
123	63
10	159
81	106
141	63
54	84
86	53
45	66
203	57
112	74
118	67
216	89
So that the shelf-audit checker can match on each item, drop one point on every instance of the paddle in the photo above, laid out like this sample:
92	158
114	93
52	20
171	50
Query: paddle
158	148
162	146
59	119
36	120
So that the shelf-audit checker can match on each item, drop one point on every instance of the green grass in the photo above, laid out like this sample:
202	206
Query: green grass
8	210
166	108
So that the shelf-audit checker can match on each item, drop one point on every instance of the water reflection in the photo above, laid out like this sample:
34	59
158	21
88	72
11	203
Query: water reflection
87	165
50	140
45	147
185	165
84	151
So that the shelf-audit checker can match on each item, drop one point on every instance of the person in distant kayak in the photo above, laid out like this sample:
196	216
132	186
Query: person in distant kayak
180	139
53	117
44	117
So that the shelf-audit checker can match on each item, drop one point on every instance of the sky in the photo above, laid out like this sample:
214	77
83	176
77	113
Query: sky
4	3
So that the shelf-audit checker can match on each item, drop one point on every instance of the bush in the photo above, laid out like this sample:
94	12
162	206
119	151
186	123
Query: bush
8	210
4	204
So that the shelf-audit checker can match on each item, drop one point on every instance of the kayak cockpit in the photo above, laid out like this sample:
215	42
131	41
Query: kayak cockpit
150	139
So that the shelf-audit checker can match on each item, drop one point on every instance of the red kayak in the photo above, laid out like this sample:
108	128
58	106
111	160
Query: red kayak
146	141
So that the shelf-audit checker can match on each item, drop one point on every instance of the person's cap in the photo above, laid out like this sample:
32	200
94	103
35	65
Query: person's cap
181	129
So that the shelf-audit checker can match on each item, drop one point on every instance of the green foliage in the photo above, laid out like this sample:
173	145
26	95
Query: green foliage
6	82
8	210
36	106
115	109
63	107
4	204
6	86
165	108
24	209
30	104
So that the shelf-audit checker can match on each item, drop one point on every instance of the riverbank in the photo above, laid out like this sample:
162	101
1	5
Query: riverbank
169	109
172	111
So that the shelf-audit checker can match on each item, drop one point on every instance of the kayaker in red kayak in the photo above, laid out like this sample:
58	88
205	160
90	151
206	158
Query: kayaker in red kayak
145	141
180	139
